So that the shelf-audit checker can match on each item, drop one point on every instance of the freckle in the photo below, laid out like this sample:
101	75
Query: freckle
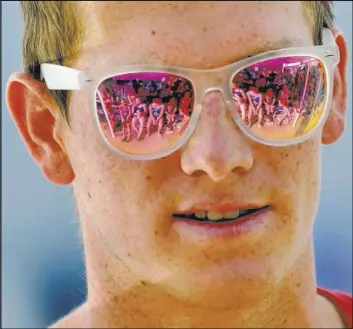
255	35
105	265
155	232
143	283
89	195
298	284
153	32
100	182
148	177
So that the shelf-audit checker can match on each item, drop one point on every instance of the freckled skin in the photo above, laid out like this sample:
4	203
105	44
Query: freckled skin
139	271
131	201
127	213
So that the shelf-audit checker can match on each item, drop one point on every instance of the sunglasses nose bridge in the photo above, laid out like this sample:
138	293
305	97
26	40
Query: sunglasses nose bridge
214	81
213	100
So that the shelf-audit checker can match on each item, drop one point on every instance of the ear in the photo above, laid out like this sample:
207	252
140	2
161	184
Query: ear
335	122
37	118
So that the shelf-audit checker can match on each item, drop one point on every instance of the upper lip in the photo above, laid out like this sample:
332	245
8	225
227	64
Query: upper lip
221	207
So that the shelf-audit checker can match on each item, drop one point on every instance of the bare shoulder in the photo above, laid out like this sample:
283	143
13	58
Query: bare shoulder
76	319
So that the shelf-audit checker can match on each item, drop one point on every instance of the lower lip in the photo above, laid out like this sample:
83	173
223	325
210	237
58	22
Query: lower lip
243	226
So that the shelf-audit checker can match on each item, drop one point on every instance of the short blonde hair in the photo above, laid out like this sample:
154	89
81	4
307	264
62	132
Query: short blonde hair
54	33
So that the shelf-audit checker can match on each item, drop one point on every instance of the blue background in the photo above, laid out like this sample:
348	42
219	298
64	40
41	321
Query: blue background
43	270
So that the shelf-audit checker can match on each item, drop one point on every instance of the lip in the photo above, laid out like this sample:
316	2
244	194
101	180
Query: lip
225	207
248	224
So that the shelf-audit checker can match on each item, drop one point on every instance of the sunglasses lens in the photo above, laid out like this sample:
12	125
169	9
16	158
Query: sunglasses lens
282	98
144	113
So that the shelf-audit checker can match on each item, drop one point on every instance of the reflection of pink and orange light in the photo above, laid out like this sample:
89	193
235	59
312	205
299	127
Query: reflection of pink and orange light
291	106
169	123
280	121
277	63
106	104
152	144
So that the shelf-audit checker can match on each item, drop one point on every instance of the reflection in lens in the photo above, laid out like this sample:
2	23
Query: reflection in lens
144	113
281	98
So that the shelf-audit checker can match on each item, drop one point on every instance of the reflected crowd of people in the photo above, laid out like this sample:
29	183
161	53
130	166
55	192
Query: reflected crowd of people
137	108
266	96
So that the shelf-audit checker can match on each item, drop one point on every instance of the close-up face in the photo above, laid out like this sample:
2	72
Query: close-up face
131	204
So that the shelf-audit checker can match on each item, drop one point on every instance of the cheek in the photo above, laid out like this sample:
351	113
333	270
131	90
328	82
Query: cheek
306	172
298	172
96	168
293	177
101	175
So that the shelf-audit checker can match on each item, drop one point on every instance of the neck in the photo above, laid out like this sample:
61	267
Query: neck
116	297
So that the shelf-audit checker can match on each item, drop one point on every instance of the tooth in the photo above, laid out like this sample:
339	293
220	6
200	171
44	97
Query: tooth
231	214
243	211
214	215
200	214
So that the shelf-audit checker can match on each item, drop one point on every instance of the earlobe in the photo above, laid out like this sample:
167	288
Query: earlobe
334	125
35	115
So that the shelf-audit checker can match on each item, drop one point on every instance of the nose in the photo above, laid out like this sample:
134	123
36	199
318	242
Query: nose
217	146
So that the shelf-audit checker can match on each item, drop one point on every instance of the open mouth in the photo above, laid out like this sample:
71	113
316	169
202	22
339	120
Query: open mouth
218	217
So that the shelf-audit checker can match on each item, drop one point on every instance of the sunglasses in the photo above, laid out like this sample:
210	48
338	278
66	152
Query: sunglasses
145	112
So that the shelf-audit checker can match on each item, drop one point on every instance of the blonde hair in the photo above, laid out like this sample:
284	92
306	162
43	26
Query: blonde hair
54	33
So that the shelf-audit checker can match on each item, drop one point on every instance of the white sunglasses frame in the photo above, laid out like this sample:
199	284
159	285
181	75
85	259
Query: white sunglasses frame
58	77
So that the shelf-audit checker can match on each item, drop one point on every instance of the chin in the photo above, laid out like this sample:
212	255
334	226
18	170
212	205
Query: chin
221	288
221	294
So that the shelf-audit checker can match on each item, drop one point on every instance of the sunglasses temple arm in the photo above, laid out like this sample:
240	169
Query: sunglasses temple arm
59	77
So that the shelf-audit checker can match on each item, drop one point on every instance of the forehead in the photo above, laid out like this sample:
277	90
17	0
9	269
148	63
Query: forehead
198	34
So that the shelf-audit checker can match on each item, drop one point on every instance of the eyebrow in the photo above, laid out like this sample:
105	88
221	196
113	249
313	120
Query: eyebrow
276	45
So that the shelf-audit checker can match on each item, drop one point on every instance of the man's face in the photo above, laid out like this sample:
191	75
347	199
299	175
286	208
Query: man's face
129	203
170	108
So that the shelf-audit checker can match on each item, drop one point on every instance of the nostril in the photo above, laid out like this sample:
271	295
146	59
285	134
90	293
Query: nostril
197	173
